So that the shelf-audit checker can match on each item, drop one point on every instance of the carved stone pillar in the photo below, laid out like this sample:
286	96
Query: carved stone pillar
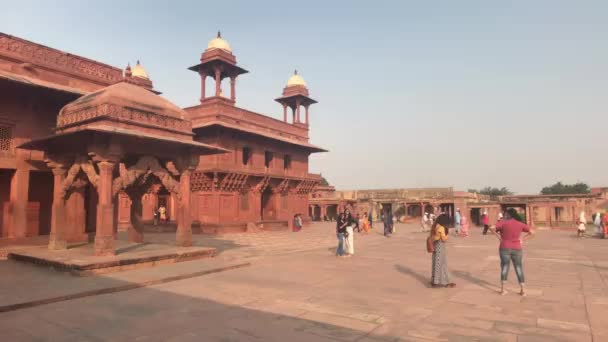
218	81
285	112
298	111
57	238
203	83
136	228
184	224
104	236
306	108
20	184
233	88
76	216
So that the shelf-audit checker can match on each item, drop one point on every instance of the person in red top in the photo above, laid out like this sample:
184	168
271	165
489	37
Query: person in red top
485	220
509	232
605	225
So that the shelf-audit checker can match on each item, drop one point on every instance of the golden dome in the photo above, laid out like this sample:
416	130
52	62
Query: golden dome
296	80
139	71
219	43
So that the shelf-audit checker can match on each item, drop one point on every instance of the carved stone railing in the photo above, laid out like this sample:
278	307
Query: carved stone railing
44	56
218	110
128	114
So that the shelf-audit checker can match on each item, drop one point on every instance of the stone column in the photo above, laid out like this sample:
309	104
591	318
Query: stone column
306	108
57	238
20	185
232	88
104	236
75	214
218	82
284	112
184	223
421	209
323	211
298	111
135	232
203	83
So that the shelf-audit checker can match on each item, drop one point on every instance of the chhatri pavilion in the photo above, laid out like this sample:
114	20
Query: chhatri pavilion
87	150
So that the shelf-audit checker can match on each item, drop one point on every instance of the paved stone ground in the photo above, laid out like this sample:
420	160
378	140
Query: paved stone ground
297	290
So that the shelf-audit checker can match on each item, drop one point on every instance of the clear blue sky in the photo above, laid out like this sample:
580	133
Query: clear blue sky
411	93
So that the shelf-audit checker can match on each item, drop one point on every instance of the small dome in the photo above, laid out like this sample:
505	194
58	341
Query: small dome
219	43
139	71
296	80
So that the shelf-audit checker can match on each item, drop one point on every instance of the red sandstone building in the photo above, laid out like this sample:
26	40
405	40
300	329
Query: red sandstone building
86	149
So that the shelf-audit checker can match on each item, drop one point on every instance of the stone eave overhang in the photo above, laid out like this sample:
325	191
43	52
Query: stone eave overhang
300	144
310	177
58	142
34	82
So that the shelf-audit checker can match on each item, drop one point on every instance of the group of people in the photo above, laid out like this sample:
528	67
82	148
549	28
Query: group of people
508	230
345	229
461	222
160	214
599	220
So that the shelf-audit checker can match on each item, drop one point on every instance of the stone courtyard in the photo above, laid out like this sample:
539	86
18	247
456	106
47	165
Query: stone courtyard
284	286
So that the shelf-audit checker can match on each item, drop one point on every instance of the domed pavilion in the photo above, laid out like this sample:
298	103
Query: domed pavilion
123	138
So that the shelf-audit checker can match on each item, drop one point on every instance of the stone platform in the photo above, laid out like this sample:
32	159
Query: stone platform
81	261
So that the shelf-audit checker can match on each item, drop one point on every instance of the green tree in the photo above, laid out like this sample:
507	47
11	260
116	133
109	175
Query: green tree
566	189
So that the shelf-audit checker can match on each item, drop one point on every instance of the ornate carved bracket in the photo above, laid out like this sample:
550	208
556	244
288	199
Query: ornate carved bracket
73	178
282	188
262	185
200	182
145	165
233	182
305	187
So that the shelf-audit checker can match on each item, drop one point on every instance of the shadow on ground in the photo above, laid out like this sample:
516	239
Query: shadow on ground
425	281
166	313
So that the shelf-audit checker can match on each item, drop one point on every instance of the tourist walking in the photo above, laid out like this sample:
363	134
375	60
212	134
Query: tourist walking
605	225
424	222
388	223
582	224
457	221
364	223
340	233
597	222
440	276
371	220
485	220
509	232
155	216
297	222
162	212
349	241
464	225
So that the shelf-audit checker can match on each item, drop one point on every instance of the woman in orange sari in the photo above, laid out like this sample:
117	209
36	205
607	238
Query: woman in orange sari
364	223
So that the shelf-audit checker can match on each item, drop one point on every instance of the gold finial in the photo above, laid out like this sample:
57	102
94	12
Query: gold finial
138	62
219	34
295	72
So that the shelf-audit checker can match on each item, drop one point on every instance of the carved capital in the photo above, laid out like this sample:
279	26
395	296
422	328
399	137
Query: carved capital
186	162
59	170
106	165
